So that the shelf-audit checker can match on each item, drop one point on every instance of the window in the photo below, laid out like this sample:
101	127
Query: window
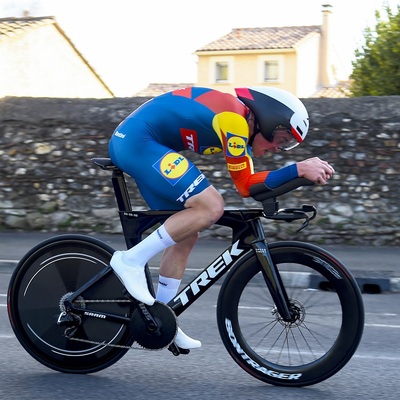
271	68
221	72
271	71
221	69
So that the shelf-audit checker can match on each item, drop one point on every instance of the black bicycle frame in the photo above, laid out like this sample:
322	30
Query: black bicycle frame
247	235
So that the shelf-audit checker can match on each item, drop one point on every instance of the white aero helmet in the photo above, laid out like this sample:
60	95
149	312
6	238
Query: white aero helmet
274	108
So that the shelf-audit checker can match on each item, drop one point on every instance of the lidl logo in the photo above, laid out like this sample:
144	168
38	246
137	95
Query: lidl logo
210	150
172	166
235	145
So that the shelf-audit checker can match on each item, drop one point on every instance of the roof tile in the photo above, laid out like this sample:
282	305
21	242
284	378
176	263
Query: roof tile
261	38
12	27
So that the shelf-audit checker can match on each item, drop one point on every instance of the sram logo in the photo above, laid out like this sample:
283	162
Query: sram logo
95	315
214	269
252	363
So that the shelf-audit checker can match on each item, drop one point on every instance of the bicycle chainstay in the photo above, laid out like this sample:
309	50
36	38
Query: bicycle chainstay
75	339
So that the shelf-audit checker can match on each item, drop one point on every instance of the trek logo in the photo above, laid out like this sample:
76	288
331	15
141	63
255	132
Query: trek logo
207	276
119	134
189	138
252	363
193	185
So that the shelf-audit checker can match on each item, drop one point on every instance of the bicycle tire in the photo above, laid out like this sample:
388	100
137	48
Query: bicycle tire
326	333
43	277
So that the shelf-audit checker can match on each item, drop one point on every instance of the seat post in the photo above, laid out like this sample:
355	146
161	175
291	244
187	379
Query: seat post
121	190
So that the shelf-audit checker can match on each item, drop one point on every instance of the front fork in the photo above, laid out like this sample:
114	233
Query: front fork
270	273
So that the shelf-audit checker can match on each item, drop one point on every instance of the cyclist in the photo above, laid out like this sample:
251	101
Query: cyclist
146	146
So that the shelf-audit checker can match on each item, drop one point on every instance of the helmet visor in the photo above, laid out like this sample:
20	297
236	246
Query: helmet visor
283	138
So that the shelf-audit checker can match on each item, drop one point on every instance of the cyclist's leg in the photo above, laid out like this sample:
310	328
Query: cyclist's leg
201	211
196	216
183	187
175	258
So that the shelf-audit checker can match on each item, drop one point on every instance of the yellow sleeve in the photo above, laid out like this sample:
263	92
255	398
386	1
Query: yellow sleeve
233	132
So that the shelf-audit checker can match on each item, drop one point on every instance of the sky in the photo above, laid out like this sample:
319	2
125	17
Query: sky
131	43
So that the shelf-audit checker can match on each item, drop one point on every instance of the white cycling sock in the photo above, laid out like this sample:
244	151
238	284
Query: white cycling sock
154	243
167	288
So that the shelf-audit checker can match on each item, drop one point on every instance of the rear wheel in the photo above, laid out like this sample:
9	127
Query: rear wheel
46	276
327	308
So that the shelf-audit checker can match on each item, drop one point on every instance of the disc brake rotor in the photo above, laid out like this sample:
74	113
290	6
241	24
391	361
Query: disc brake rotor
157	339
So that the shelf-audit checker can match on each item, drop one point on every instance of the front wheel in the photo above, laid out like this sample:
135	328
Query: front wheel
45	277
328	316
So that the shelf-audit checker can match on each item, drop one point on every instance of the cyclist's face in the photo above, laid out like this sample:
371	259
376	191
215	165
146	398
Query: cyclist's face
262	145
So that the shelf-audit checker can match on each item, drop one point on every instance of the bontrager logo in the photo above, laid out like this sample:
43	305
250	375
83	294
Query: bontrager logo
119	134
215	269
252	363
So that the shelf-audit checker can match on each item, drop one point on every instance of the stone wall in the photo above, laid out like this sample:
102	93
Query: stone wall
48	182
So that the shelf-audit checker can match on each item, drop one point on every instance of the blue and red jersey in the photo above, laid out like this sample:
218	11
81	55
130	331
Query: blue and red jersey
202	120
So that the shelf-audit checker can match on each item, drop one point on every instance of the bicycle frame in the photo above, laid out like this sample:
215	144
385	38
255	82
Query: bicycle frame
247	235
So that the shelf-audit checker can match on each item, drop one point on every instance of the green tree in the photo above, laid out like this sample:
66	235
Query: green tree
376	69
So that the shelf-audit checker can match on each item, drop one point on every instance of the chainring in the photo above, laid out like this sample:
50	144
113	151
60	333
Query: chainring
160	338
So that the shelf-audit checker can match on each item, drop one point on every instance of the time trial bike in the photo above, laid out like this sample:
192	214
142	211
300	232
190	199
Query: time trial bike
289	313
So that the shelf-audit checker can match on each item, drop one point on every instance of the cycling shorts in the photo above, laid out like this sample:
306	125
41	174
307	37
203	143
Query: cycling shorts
165	178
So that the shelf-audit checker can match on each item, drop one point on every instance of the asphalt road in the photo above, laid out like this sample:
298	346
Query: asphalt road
209	372
377	268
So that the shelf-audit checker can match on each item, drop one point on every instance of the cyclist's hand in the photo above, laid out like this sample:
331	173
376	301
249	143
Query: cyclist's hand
315	170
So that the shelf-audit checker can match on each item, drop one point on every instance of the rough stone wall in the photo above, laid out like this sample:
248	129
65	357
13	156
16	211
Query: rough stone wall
48	182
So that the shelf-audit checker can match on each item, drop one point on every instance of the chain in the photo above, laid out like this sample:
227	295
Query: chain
103	301
120	346
81	300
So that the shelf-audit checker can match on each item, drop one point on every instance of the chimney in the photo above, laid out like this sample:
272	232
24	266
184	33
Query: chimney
326	71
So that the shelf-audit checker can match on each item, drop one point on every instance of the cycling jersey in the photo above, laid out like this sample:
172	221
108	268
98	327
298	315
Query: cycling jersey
147	143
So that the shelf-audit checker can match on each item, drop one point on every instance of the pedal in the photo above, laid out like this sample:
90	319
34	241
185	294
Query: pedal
176	351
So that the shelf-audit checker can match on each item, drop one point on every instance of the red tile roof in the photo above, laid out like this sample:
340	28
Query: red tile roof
155	89
340	90
262	38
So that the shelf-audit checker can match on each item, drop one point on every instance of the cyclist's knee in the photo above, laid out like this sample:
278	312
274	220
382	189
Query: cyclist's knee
209	202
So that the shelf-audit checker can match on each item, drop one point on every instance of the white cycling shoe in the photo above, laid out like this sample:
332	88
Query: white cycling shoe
185	342
133	278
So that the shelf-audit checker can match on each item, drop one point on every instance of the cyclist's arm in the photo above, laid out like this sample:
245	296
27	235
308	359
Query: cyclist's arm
234	133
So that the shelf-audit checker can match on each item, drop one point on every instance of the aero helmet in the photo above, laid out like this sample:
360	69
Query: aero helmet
274	108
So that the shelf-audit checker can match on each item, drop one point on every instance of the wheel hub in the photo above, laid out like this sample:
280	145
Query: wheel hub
79	301
297	311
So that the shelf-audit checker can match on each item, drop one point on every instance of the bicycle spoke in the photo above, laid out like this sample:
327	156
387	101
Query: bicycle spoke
323	322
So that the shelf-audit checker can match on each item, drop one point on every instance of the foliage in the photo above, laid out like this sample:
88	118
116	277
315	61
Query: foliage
376	69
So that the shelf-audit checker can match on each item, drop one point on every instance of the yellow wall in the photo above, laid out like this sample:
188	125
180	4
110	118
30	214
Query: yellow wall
299	72
245	71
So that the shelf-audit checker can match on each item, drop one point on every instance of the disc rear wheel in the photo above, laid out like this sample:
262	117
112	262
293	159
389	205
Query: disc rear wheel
43	279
